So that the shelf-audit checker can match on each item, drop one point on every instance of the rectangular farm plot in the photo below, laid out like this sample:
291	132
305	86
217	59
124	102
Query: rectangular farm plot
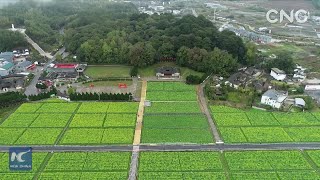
170	86
179	161
51	120
266	160
232	135
315	156
201	136
9	136
112	161
96	164
262	119
117	136
224	109
123	107
173	107
93	107
180	165
231	119
58	108
290	119
254	175
39	136
37	159
19	120
266	134
88	120
94	136
304	134
5	173
171	96
175	121
82	136
120	120
29	107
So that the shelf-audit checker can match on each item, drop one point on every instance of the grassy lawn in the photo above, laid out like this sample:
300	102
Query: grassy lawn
108	83
96	72
151	70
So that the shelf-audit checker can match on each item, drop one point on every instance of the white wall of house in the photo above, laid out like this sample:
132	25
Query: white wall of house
279	77
273	103
312	87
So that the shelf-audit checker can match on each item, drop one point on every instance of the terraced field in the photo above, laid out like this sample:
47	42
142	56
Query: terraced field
70	123
174	120
229	165
115	165
237	126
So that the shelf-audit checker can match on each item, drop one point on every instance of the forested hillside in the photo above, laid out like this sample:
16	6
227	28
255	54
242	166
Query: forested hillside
100	32
10	40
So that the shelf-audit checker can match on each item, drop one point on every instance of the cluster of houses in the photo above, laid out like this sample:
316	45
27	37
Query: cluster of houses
251	77
242	32
62	72
14	67
13	63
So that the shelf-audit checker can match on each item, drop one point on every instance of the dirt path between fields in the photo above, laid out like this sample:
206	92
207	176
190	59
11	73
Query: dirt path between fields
137	134
204	108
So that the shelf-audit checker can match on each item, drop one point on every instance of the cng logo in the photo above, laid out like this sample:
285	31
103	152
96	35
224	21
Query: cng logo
20	159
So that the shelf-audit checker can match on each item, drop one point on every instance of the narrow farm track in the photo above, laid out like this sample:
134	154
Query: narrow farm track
137	133
204	108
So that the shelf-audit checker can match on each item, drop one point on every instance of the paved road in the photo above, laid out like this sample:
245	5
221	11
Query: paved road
191	147
31	89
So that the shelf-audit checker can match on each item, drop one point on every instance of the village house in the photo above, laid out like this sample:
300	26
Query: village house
278	74
274	98
23	66
168	72
6	68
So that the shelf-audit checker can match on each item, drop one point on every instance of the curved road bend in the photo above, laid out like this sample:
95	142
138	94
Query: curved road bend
190	147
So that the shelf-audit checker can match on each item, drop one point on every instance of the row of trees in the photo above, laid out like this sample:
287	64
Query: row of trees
10	98
100	97
44	95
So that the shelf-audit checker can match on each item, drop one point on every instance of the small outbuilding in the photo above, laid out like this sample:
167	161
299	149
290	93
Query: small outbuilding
299	102
274	98
278	74
168	72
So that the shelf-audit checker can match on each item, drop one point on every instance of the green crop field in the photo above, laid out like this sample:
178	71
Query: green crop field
171	91
174	122
171	96
228	165
173	107
170	86
238	126
49	123
73	165
97	72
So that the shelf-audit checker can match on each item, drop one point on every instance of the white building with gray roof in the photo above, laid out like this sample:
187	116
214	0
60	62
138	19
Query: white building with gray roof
274	98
